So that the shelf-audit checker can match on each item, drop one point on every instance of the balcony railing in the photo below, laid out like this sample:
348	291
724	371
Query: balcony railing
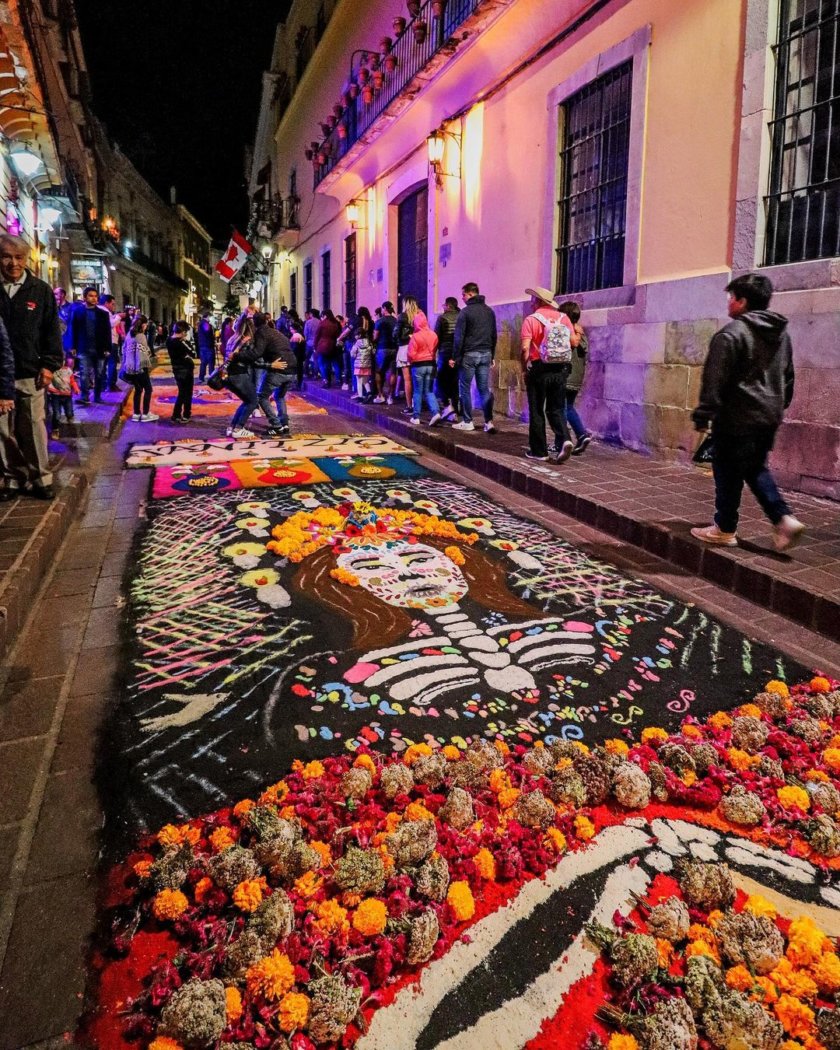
412	52
272	216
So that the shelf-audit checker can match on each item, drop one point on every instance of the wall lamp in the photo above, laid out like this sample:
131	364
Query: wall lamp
353	211
436	146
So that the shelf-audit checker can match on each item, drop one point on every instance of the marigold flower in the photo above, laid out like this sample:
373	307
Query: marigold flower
740	760
794	1016
775	686
222	839
698	932
309	884
271	978
170	835
665	951
654	735
233	1004
557	840
764	991
455	554
202	889
163	1042
616	747
508	797
689	777
564	763
692	732
826	972
485	864
169	905
620	1041
792	981
714	918
365	762
294	1012
370	917
759	906
417	811
702	948
332	918
793	797
740	978
243	808
414	752
583	748
392	821
248	895
313	770
820	685
498	780
807	942
274	795
750	710
451	753
816	775
459	897
719	720
501	747
349	579
831	757
324	850
142	869
584	828
387	860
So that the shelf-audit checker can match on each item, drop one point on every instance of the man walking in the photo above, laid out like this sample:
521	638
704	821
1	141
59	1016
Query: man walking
29	311
90	338
747	385
109	303
473	350
206	338
446	382
310	328
548	339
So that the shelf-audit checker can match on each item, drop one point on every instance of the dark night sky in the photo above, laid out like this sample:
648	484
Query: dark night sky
178	84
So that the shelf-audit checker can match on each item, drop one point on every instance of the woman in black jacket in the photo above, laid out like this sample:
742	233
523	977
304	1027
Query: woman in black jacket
183	369
240	364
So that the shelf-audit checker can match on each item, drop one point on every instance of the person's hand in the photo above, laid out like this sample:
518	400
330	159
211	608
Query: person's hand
451	363
6	407
44	379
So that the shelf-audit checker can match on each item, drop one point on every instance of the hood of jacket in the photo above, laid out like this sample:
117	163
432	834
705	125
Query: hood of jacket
420	321
767	325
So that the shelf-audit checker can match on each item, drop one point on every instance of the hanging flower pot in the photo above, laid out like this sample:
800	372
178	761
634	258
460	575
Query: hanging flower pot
374	62
385	45
390	63
353	91
364	75
438	7
322	157
342	130
309	153
367	94
364	58
325	128
338	109
332	121
413	7
420	29
314	146
399	25
378	80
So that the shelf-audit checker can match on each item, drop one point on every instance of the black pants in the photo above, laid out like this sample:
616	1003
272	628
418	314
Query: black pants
546	385
58	404
300	357
142	383
446	381
183	403
741	458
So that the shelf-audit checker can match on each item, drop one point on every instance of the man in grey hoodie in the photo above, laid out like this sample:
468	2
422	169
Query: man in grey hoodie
747	385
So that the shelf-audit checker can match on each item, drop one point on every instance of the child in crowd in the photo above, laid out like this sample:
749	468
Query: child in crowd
63	387
575	379
361	354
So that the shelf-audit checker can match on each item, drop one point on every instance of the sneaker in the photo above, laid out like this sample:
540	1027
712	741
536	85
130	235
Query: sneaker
489	428
243	432
581	445
184	419
149	417
415	421
448	413
389	401
84	402
379	400
712	534
229	432
562	454
787	533
284	431
345	386
54	435
464	426
532	455
136	417
355	397
436	418
408	411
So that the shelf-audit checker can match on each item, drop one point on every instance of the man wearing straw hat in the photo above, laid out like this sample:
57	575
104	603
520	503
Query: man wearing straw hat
548	338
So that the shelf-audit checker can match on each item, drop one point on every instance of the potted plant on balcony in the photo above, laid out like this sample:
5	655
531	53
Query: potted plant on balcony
391	63
341	129
332	120
353	91
309	153
385	45
338	109
438	7
322	156
325	128
378	80
413	7
364	75
420	29
367	94
399	25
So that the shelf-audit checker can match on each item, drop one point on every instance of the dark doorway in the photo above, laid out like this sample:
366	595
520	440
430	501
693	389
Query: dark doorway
413	245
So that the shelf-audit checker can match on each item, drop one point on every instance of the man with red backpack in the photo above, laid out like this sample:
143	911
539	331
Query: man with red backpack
548	338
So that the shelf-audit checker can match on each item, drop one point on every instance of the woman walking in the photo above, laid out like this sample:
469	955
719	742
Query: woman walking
183	371
421	356
404	332
137	366
326	345
241	356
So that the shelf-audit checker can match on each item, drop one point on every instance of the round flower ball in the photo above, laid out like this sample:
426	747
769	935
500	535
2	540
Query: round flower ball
460	899
370	917
294	1012
169	905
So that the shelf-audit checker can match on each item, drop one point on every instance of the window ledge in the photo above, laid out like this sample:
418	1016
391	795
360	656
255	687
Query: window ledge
602	298
796	277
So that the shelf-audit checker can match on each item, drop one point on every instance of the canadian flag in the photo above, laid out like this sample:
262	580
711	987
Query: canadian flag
234	258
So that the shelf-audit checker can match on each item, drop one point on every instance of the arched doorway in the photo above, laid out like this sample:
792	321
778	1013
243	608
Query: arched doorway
413	244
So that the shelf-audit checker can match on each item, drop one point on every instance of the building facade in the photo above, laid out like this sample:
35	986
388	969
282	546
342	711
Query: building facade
631	154
196	266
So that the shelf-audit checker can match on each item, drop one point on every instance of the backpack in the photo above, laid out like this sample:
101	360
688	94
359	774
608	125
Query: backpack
61	381
556	347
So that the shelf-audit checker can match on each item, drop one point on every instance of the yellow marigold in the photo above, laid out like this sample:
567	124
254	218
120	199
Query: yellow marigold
499	780
370	917
764	991
169	835
806	942
556	839
719	720
332	918
740	760
539	745
274	795
616	747
243	808
222	839
564	763
793	797
826	972
702	948
417	811
451	753
288	813
248	895
714	918
751	710
392	821
294	1012
665	951
460	899
583	748
740	978
485	864
142	869
622	1042
820	685
584	828
169	905
309	884
323	850
689	777
455	554
501	747
758	905
831	757
349	579
271	978
202	889
698	932
775	686
792	981
163	1042
692	732
313	770
814	775
414	752
365	762
233	1004
508	797
795	1017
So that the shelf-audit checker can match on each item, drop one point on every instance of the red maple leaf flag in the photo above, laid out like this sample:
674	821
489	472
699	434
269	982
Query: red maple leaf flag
234	258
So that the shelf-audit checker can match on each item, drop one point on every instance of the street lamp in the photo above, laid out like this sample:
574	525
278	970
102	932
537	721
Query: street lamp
353	211
436	148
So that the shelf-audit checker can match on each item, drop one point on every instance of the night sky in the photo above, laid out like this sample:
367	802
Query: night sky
178	84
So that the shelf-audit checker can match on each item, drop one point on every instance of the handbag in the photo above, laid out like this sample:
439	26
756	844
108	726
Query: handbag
705	451
218	378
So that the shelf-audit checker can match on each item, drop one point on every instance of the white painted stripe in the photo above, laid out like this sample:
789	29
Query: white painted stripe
452	617
523	626
536	639
415	685
410	666
555	650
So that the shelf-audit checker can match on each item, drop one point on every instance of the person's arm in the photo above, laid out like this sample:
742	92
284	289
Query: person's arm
51	354
494	336
583	341
460	335
716	373
412	349
526	338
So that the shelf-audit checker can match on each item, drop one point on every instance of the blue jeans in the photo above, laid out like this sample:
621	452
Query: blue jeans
207	357
572	415
743	458
475	364
243	387
276	383
91	374
422	383
326	364
112	367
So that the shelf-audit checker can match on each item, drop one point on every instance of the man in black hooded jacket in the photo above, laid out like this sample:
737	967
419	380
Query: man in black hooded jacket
747	385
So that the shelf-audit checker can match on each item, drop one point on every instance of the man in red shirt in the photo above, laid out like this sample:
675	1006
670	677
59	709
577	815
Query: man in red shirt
548	338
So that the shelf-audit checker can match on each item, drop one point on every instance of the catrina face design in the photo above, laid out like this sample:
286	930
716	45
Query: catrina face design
409	575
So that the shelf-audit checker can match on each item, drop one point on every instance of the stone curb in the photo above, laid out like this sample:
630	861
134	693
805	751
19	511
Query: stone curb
721	567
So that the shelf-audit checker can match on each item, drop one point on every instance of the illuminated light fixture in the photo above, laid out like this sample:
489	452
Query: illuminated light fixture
267	252
129	245
26	162
436	147
436	144
353	211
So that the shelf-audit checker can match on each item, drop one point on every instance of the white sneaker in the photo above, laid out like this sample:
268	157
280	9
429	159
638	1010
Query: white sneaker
563	453
787	533
389	401
229	432
136	417
415	421
464	426
489	428
345	386
355	397
712	534
448	413
379	400
436	418
149	417
243	432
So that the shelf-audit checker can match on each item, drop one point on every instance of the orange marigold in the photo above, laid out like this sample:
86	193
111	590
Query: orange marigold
792	981
248	895
271	978
455	554
764	991
826	972
313	770
243	808
719	720
508	797
740	760
616	747
460	899
233	1004
775	686
202	889
309	884
806	942
294	1012
740	978
621	1041
692	732
417	811
557	840
816	775
274	795
702	948
370	917
665	951
654	735
698	932
498	780
365	762
751	710
564	763
485	864
795	1017
387	860
451	753
501	747
414	752
392	821
584	828
169	905
323	850
714	918
820	685
169	835
142	869
831	757
689	777
332	918
793	797
163	1042
222	839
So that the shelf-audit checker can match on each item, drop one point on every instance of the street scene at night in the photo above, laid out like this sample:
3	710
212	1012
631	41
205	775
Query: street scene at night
420	525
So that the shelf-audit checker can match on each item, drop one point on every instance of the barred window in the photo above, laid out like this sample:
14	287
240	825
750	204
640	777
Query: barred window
307	286
293	293
350	275
594	156
326	280
803	205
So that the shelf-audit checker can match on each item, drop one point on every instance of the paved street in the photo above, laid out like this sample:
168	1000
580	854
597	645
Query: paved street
170	665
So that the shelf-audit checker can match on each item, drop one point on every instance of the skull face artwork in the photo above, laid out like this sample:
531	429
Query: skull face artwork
409	575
